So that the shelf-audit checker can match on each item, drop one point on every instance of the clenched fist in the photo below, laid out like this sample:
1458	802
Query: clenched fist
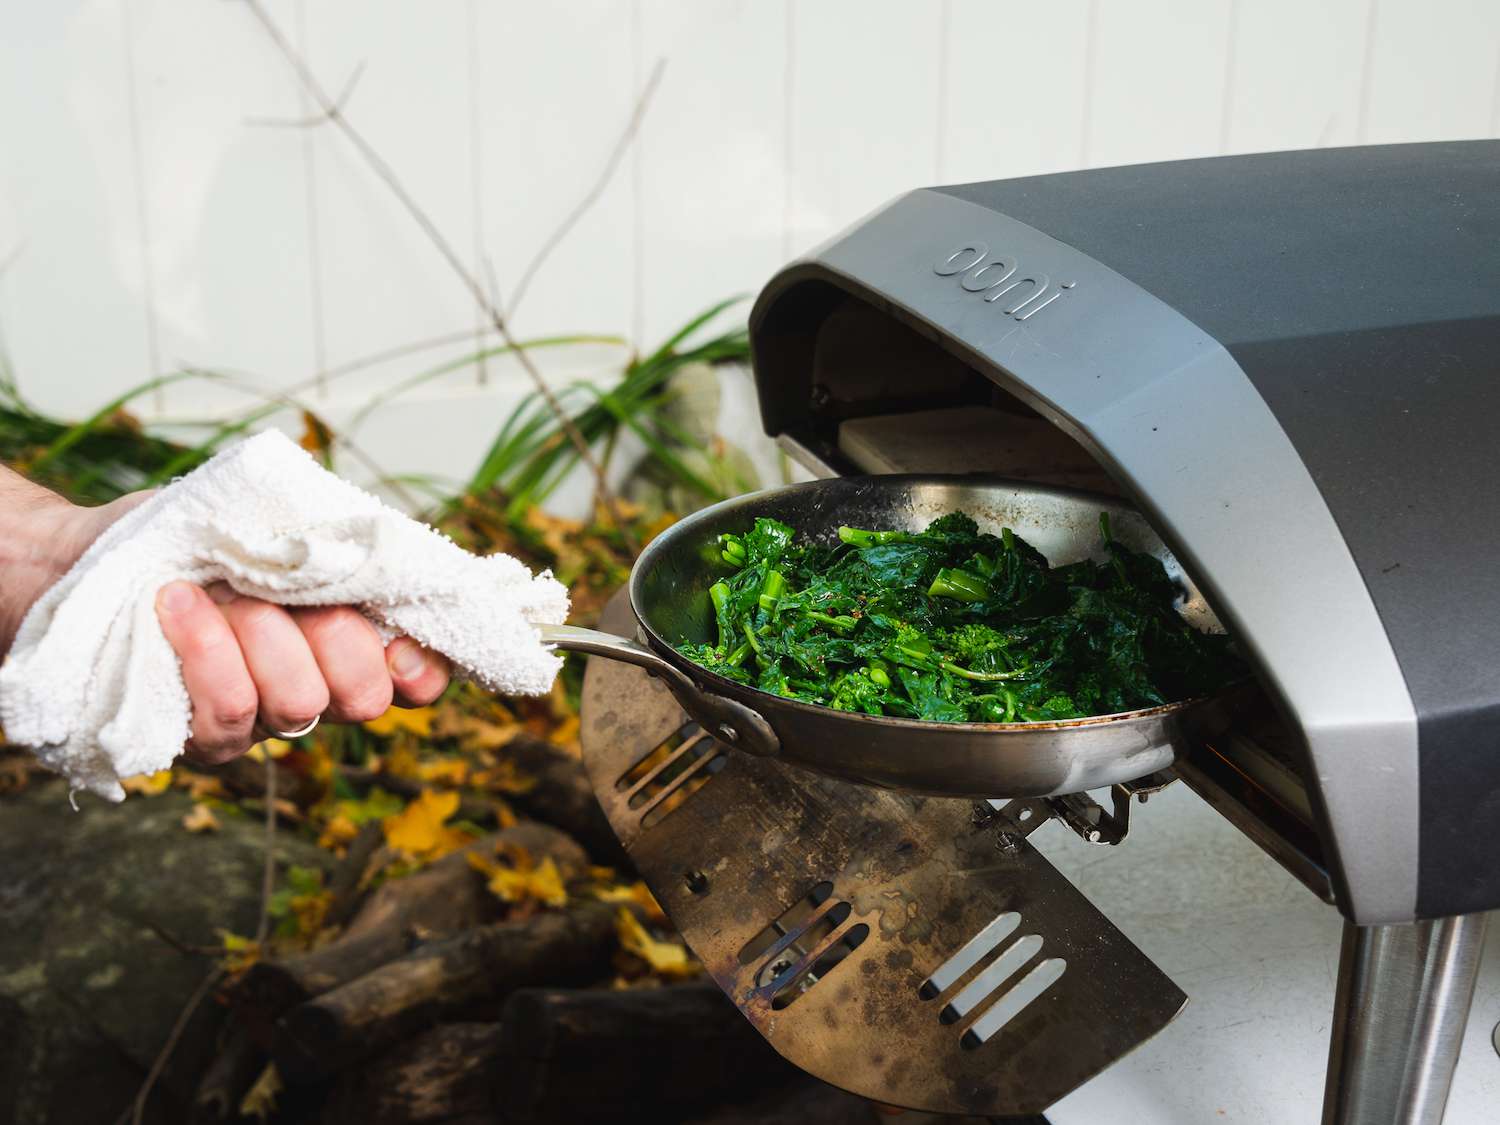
251	668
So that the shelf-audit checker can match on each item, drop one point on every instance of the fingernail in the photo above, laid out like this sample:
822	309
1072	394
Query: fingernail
408	661
176	597
221	592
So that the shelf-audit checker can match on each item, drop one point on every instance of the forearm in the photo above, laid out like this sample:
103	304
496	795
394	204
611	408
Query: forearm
35	544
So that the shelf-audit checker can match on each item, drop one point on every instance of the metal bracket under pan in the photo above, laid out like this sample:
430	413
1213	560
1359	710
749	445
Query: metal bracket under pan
890	944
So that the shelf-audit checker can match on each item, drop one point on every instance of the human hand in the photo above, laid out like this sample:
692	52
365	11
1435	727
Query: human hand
251	668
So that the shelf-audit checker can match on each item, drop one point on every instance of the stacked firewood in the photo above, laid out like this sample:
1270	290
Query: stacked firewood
437	1001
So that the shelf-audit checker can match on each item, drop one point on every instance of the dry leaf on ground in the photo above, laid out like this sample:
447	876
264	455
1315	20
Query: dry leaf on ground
666	958
260	1100
419	831
148	784
637	893
522	879
414	720
201	819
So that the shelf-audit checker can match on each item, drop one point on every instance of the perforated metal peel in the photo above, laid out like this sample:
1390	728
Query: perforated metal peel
901	947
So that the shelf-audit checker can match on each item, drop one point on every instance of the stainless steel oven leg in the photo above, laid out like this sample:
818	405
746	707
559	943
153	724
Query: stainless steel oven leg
1398	1020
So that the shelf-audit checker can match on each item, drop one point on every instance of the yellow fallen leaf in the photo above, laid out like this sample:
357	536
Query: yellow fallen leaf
15	773
473	733
565	734
198	785
637	893
239	952
201	819
415	720
449	771
524	881
505	816
260	1100
419	831
657	526
402	761
276	747
148	784
666	958
503	777
338	833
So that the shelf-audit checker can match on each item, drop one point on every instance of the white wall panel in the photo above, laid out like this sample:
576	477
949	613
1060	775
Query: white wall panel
71	303
182	233
1432	70
865	106
1016	87
712	153
1157	91
225	208
1297	69
383	283
555	94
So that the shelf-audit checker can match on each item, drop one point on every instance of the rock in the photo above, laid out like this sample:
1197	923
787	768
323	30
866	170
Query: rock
88	990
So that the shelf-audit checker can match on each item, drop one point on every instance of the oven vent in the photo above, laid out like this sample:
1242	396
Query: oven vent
976	979
802	945
663	779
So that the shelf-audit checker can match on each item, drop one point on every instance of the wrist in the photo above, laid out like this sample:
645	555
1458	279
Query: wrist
39	541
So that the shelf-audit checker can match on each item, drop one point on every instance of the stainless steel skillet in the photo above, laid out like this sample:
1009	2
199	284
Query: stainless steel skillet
669	594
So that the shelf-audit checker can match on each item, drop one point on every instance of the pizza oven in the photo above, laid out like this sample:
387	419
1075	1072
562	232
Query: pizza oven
1288	364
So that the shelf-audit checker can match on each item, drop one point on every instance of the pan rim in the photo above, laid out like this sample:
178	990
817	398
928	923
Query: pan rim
733	689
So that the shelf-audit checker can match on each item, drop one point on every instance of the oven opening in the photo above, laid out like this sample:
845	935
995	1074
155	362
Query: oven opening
850	385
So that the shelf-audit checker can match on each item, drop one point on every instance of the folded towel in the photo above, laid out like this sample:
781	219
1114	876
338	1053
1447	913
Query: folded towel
92	684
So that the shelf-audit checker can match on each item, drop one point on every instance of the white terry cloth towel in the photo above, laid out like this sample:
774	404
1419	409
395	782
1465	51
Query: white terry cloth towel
92	684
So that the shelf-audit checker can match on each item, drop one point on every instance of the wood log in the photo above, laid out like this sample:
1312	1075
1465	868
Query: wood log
563	796
344	884
232	1071
571	1055
806	1100
444	899
454	978
440	1074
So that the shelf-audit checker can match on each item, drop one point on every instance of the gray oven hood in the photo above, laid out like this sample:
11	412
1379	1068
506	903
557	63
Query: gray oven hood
1290	362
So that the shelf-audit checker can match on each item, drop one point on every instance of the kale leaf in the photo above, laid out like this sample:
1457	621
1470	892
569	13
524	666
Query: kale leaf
950	624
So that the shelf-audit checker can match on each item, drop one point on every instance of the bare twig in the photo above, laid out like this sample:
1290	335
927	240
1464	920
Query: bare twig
387	175
12	258
262	932
268	877
243	384
316	119
622	146
138	1111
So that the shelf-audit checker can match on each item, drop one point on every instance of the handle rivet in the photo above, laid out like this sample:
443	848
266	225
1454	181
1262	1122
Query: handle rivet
728	733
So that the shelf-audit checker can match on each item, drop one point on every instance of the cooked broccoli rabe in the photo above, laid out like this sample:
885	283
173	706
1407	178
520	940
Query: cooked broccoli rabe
952	625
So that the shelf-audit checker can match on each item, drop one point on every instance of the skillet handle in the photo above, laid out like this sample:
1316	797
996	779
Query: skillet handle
724	718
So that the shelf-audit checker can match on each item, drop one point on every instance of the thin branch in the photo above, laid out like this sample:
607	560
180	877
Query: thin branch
622	146
160	1063
285	399
387	175
339	104
268	875
12	258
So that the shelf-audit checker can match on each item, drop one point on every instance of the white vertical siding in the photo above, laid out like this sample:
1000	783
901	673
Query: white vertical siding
152	219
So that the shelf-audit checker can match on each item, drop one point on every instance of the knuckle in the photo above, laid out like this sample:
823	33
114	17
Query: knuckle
426	690
234	710
365	702
328	622
217	753
299	710
203	638
255	615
